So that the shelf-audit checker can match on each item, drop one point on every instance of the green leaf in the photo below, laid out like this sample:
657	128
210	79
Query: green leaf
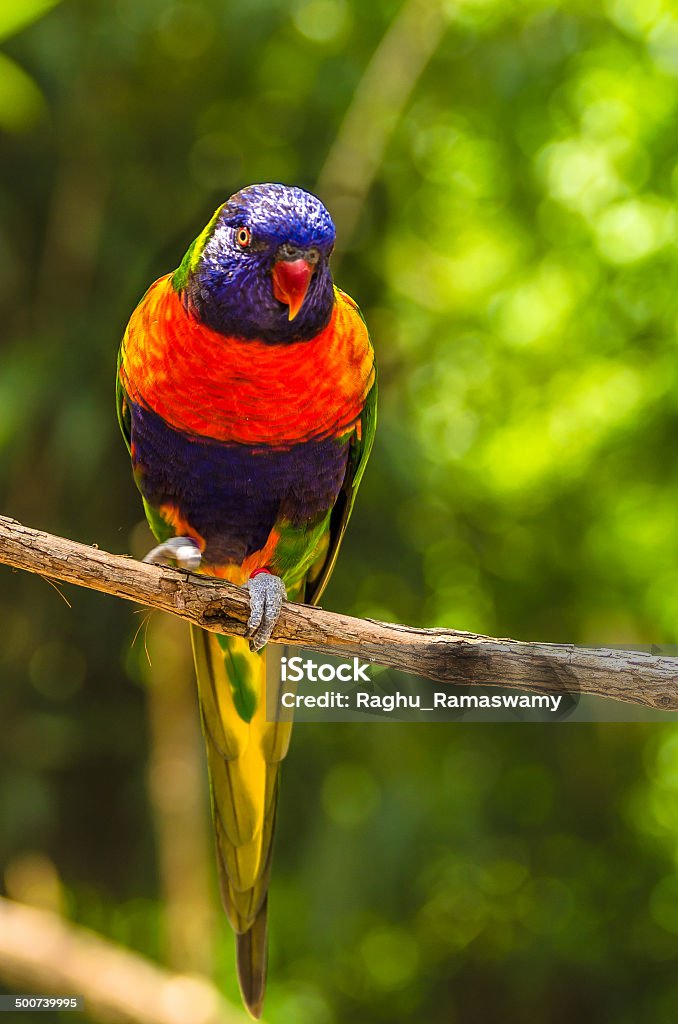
21	102
17	15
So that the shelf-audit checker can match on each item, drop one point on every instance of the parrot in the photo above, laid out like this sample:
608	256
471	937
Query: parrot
246	395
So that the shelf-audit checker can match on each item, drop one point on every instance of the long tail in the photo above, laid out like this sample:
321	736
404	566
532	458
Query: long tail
244	752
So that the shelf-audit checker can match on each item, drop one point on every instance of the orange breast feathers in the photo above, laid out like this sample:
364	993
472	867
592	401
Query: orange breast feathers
202	382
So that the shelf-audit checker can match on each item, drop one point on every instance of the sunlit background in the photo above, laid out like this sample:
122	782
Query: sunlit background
504	177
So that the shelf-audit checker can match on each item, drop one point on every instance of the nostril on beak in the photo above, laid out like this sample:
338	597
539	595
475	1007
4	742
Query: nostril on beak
290	253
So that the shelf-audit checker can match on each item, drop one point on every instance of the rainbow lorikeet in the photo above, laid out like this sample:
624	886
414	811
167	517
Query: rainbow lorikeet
247	397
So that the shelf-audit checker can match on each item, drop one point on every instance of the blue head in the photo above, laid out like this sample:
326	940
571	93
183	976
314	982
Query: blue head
260	269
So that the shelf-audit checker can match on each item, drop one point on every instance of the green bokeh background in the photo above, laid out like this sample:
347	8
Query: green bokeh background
516	260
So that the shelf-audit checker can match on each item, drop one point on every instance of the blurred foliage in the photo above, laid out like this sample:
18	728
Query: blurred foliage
517	264
21	102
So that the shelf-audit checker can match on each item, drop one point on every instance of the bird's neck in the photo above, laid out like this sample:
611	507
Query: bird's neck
257	317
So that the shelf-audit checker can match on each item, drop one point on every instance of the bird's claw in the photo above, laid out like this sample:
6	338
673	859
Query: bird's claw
267	593
182	550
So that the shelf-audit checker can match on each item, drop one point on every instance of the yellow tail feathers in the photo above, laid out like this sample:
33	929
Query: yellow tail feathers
243	755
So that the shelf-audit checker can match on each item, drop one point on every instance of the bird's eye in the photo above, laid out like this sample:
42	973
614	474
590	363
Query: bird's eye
243	237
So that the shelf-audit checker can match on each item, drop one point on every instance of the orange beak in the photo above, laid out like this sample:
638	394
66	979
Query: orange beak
291	279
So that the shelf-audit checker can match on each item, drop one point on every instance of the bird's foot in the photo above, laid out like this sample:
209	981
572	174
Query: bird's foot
267	593
182	550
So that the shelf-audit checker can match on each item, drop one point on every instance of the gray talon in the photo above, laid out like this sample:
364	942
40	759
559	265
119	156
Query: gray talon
182	550
267	594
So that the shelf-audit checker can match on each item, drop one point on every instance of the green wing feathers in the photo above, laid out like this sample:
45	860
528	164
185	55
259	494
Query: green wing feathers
244	752
361	446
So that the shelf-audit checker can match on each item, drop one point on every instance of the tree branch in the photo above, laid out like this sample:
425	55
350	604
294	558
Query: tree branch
42	953
443	655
